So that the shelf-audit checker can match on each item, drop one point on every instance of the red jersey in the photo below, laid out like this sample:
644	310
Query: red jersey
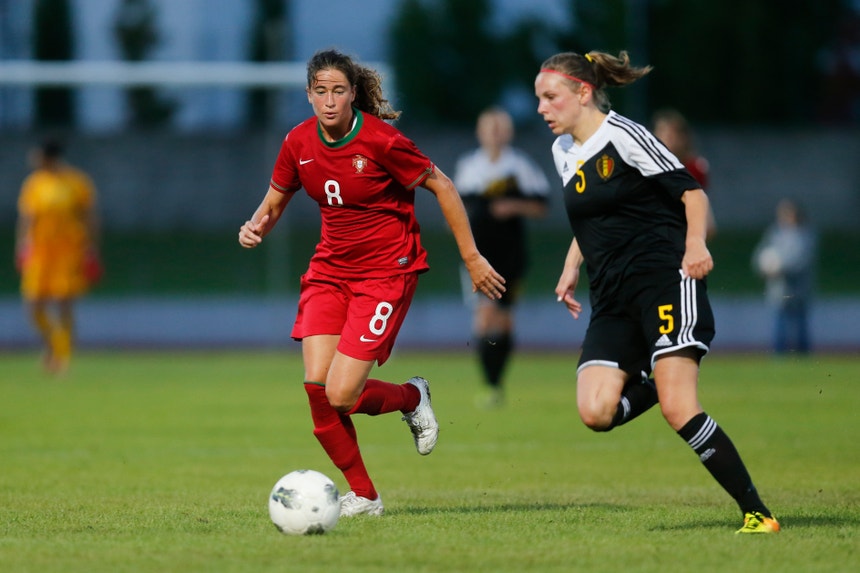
364	185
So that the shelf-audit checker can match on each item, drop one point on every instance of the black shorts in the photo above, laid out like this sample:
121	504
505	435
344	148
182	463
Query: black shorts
649	315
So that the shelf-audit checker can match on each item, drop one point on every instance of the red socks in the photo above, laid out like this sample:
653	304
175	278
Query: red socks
383	397
336	434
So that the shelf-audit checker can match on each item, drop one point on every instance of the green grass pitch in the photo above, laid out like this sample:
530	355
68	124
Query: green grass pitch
162	462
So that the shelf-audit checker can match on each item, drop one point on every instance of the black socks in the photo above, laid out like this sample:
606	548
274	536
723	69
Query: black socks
719	456
493	352
637	397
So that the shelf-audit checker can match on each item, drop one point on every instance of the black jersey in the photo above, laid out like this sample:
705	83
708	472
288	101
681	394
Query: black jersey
482	180
622	191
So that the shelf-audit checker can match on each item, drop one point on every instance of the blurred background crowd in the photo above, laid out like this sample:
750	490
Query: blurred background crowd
770	91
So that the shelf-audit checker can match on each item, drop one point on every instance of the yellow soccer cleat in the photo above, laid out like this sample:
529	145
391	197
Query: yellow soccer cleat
757	522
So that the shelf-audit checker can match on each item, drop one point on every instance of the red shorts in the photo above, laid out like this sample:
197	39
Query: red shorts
366	313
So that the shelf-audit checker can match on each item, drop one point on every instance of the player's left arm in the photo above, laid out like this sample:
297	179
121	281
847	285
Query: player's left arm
664	166
22	246
92	218
697	261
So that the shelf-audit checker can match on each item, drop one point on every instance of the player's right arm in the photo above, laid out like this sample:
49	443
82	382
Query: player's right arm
263	220
23	224
22	245
569	278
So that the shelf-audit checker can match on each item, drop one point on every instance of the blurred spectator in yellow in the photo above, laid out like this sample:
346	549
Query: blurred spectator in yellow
785	258
56	248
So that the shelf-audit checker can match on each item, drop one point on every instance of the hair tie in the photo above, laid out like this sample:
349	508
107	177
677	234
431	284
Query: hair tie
569	77
589	58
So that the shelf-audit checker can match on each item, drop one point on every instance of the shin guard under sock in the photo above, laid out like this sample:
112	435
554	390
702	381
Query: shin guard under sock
336	434
61	343
718	454
637	397
493	352
380	397
43	324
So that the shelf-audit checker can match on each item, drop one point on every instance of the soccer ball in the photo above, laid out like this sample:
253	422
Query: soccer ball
304	502
769	261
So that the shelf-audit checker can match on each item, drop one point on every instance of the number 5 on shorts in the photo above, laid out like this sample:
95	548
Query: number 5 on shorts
665	313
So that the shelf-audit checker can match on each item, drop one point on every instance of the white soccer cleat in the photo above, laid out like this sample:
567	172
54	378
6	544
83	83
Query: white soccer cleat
422	422
351	504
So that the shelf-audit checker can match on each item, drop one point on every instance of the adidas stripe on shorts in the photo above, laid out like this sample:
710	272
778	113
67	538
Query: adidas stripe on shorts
651	314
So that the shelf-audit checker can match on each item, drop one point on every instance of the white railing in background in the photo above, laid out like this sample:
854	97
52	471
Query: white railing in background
188	74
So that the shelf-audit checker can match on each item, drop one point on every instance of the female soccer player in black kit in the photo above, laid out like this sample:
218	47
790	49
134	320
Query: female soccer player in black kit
501	187
639	222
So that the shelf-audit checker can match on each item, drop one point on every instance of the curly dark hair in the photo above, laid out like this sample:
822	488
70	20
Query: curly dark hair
367	82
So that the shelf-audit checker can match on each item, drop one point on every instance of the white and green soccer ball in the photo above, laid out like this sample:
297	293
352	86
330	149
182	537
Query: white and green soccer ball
304	502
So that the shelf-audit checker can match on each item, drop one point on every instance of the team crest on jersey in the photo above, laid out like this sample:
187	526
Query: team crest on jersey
605	166
359	162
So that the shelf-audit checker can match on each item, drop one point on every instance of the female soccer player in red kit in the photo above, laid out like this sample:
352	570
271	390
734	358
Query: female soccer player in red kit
362	172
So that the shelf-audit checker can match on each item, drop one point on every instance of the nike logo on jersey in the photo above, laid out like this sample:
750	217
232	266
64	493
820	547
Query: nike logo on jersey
363	338
304	161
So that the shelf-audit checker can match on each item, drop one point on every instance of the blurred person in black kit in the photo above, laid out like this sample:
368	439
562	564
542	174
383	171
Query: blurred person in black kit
501	187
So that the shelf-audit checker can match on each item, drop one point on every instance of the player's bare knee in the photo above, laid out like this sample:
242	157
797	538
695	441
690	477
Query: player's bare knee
598	390
341	402
676	417
341	406
598	425
597	419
